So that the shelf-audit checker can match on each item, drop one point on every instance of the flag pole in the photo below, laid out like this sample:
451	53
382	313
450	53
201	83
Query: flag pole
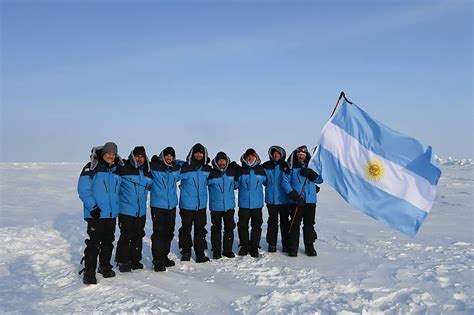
342	95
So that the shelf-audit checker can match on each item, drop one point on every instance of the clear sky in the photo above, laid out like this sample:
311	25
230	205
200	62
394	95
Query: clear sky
231	75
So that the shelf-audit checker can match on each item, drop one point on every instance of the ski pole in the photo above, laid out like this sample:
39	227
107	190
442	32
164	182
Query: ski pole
296	209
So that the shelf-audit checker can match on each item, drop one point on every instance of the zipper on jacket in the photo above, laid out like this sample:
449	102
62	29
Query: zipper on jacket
168	174
223	184
138	198
110	200
199	197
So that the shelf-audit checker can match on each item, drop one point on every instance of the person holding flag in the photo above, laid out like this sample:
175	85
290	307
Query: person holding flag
300	185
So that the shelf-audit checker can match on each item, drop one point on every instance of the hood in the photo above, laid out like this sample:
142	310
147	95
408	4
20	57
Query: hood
161	158
96	155
190	159
244	161
133	162
279	149
293	161
216	167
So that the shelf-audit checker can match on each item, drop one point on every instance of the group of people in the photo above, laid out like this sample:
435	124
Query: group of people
111	187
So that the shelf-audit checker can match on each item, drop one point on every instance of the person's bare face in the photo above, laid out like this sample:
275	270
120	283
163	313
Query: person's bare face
222	163
198	156
109	157
140	159
169	158
251	159
301	157
276	156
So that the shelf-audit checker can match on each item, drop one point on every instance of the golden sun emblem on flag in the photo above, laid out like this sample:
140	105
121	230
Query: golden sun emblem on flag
374	170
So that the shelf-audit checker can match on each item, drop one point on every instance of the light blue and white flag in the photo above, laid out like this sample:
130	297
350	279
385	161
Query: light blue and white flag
387	175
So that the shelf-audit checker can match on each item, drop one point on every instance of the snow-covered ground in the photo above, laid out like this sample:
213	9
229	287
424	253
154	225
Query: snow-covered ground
362	267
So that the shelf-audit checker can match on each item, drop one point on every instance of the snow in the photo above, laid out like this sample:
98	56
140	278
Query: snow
363	267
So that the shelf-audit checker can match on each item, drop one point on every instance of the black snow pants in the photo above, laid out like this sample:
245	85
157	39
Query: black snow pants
216	231
199	219
306	214
163	233
130	243
100	243
245	215
275	211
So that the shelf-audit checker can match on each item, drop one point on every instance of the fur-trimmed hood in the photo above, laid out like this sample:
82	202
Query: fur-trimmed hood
278	149
245	163
133	162
216	166
293	161
190	158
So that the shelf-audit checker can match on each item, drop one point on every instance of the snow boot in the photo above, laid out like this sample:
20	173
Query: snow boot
159	267
292	253
254	253
89	278
202	258
106	272
124	267
243	251
228	254
185	256
169	262
216	256
310	251
137	265
272	248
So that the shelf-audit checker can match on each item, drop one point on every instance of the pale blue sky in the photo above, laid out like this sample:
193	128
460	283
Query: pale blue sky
231	75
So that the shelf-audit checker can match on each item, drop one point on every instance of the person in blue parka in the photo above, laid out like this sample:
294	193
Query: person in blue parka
98	188
300	184
222	204
276	198
251	177
163	201
136	181
193	203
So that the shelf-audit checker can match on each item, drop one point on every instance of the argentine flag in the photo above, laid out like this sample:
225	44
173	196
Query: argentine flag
387	175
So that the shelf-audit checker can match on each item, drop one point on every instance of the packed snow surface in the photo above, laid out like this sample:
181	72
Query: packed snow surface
362	265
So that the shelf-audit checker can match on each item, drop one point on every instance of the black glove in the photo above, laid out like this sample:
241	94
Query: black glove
95	213
317	188
309	173
294	195
285	168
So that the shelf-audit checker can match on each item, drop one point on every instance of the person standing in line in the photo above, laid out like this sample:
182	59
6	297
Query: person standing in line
250	180
300	184
164	199
98	188
193	203
222	204
136	181
276	198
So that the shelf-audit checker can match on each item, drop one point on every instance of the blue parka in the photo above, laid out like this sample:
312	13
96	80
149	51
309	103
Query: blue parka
99	184
295	180
194	180
250	184
164	192
221	187
136	182
275	194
